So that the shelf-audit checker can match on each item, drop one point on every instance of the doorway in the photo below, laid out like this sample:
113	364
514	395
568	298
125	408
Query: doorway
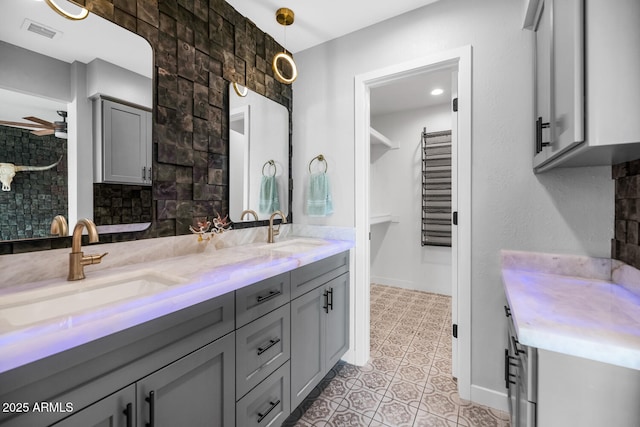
460	61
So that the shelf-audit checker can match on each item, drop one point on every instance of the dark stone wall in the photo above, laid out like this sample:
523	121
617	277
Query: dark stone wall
36	196
121	204
625	245
199	47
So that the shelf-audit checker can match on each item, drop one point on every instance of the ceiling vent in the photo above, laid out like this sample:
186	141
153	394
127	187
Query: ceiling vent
40	29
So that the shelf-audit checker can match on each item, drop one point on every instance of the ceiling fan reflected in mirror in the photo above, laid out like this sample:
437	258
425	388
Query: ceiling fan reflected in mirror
42	127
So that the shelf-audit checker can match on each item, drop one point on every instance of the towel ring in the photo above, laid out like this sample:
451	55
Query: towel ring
270	163
319	158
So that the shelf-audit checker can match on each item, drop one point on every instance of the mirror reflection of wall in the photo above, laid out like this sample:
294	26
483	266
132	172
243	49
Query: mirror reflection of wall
258	155
48	64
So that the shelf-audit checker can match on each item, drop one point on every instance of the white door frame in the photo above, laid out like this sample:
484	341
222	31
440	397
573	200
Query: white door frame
461	301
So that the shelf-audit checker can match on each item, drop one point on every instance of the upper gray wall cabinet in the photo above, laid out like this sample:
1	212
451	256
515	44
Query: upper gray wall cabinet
123	143
587	91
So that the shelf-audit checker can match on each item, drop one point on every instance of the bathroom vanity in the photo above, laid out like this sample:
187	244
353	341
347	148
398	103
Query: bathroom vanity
240	341
573	356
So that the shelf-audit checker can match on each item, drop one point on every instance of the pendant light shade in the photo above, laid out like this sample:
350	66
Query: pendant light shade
285	17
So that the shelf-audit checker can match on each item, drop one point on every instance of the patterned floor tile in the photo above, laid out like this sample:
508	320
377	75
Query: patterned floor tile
472	415
406	392
335	388
413	373
320	409
437	403
362	401
425	419
395	413
345	417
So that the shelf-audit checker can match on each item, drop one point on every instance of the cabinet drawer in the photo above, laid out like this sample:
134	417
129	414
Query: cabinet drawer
259	299
267	405
311	276
261	347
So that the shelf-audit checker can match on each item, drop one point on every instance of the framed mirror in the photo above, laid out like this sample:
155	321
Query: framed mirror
258	155
52	71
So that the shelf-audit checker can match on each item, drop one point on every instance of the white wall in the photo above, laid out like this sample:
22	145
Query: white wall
397	257
565	211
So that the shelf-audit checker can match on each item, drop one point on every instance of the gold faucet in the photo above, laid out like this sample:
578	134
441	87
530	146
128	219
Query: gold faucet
59	226
77	260
275	232
248	212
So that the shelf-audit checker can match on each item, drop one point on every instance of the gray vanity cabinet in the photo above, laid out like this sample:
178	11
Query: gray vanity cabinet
319	333
116	410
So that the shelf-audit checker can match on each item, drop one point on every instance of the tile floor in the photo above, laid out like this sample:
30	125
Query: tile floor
407	381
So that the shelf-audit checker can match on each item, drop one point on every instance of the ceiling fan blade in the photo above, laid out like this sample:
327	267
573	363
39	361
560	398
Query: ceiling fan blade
42	122
43	132
22	125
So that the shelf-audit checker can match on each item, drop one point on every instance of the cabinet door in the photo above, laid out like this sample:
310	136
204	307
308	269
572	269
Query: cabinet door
197	390
126	144
337	329
567	89
542	84
308	320
116	410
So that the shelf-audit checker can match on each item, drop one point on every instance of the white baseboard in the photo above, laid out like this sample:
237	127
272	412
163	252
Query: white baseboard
491	398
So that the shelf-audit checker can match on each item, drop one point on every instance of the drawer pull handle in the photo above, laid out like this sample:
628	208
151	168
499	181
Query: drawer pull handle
152	408
271	344
539	126
507	311
128	414
326	301
269	296
263	416
517	350
330	302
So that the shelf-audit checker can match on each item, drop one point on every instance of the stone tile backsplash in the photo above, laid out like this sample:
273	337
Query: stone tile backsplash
625	245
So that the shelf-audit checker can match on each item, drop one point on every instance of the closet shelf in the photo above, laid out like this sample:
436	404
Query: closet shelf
379	218
379	139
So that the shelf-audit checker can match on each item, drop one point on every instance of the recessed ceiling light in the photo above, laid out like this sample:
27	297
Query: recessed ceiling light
437	91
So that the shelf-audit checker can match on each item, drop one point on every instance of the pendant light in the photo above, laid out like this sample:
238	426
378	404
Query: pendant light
285	17
72	16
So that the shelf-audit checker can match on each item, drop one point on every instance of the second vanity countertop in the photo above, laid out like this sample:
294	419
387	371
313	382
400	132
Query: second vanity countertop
201	276
573	306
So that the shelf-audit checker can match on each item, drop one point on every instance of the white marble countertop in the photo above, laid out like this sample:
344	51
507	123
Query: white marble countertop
570	305
204	276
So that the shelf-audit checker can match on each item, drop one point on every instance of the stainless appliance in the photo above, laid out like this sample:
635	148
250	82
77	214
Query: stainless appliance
520	365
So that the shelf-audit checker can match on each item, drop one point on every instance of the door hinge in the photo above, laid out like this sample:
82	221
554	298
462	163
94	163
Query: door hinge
455	105
369	235
455	330
454	220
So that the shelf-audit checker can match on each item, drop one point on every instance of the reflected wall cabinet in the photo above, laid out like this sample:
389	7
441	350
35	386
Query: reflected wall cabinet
123	147
586	89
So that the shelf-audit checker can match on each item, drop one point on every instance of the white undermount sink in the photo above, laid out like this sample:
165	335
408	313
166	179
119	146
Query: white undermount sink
294	245
32	306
